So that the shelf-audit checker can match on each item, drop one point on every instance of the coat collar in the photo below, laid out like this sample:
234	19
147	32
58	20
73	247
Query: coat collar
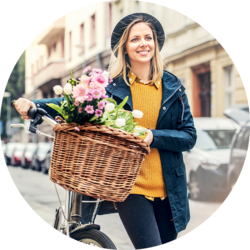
170	84
134	78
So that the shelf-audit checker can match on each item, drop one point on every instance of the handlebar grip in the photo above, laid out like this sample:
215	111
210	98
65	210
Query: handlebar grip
32	112
13	104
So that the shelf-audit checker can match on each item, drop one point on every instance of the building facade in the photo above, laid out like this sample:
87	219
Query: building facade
82	38
74	41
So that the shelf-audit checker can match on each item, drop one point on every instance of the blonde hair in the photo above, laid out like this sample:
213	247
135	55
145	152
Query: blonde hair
119	65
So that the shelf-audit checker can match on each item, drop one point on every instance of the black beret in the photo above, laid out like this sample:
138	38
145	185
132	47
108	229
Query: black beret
124	22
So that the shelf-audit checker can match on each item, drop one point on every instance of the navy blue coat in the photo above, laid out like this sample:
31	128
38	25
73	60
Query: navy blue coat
174	133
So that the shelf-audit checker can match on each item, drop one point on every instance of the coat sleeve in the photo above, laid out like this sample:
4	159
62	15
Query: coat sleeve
41	103
183	138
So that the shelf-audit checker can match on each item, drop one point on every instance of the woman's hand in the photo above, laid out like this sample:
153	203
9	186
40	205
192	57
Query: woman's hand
23	105
150	137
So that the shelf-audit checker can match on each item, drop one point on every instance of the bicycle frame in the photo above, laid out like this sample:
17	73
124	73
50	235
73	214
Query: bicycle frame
68	217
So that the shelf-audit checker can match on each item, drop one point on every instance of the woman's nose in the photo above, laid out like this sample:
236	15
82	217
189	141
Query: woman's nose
143	42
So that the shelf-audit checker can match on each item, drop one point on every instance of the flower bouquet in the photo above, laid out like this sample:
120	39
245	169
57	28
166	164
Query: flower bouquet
86	101
98	148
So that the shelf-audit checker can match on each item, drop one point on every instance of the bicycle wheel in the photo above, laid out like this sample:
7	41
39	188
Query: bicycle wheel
93	237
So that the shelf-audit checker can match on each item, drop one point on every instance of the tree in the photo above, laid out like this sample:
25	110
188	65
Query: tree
16	86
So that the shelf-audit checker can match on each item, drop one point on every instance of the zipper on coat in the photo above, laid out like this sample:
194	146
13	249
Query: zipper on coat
182	115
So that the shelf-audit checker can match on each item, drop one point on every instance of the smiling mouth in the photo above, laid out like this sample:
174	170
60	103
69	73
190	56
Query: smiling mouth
143	52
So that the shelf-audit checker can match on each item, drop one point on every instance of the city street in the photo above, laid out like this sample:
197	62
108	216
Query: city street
39	192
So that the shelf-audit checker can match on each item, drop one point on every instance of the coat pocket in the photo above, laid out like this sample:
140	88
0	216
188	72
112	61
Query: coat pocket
181	182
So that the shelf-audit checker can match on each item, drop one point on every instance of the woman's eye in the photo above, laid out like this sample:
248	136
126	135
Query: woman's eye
147	38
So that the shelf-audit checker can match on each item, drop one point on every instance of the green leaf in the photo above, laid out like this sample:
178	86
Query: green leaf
68	101
93	118
71	74
122	103
109	123
127	116
55	107
111	100
104	117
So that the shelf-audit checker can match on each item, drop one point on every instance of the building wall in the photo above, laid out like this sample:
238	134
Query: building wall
188	45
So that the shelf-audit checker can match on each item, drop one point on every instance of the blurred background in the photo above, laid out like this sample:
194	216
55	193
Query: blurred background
215	91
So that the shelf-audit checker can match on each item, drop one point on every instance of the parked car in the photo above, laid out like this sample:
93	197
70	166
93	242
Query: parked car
207	163
40	155
28	155
10	147
18	154
46	163
2	149
239	144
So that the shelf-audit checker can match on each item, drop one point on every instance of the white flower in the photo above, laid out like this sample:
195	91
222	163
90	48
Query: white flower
109	107
68	89
58	89
120	122
105	74
137	113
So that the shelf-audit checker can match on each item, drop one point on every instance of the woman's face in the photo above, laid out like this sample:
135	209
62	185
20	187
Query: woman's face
140	45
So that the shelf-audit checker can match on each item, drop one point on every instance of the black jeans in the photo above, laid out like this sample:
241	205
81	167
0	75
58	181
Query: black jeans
148	223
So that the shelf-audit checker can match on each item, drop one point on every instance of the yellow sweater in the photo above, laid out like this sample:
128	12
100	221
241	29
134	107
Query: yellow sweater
147	98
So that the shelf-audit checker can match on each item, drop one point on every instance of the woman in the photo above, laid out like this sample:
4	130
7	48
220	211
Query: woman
157	207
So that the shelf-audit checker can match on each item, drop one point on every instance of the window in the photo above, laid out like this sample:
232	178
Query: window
81	40
228	76
54	47
109	20
242	139
51	93
137	6
62	46
239	140
214	139
93	31
49	52
245	140
70	45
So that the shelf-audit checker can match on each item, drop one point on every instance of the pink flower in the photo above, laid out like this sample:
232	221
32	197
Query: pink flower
110	79
101	105
77	129
85	80
80	110
90	98
88	68
105	101
80	93
101	79
96	93
98	112
95	85
89	109
76	104
98	71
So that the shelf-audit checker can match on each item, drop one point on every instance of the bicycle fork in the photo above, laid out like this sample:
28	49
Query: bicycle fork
68	217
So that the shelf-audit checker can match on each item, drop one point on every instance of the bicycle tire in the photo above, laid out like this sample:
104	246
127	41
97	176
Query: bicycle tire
93	237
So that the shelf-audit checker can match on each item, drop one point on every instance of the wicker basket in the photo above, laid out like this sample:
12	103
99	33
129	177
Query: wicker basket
98	161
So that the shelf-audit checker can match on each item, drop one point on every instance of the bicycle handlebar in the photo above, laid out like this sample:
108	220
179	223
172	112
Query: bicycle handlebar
37	115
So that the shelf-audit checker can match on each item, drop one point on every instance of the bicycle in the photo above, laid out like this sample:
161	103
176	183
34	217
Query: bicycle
68	218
